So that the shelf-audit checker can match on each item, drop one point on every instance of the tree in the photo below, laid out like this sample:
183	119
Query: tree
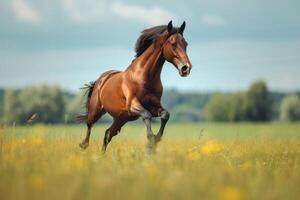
75	106
254	105
171	99
12	107
237	107
218	108
44	102
230	107
258	102
186	113
1	105
290	108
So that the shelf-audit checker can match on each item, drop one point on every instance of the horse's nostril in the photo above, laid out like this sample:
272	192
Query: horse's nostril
184	68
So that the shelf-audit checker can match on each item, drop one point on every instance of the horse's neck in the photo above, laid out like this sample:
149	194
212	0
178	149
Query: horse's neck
150	63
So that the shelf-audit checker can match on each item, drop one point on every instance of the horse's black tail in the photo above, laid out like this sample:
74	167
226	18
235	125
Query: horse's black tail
89	90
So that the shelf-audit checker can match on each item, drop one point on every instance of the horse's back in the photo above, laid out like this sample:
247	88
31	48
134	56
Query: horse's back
107	74
104	77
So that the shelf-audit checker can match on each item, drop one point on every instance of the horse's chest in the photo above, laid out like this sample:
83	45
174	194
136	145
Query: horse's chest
150	97
149	94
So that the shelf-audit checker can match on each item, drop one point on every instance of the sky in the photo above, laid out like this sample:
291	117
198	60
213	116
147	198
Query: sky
232	43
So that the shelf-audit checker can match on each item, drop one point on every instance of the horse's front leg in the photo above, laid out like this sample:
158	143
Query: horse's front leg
137	109
164	117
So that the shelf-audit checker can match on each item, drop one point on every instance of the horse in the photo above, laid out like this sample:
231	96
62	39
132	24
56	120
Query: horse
136	92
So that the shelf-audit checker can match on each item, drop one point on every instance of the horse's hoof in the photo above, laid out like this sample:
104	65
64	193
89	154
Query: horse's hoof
83	145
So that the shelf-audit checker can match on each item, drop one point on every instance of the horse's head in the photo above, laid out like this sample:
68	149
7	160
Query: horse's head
174	50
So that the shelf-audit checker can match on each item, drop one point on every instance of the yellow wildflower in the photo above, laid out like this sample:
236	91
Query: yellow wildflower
231	193
38	140
211	148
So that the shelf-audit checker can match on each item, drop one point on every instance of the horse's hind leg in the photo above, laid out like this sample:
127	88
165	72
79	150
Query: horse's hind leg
85	143
113	130
92	118
164	117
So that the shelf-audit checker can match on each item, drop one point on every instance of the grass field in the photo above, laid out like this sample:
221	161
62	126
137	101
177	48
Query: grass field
194	161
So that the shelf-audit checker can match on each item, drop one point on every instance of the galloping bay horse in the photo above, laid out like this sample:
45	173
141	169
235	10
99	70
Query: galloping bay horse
136	92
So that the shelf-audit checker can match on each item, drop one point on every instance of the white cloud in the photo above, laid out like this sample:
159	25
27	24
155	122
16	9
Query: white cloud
213	20
23	11
152	16
86	11
83	11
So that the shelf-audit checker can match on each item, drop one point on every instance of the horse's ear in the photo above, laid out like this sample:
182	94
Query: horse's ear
182	27
170	27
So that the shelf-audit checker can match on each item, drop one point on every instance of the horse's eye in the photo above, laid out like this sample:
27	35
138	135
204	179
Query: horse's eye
174	45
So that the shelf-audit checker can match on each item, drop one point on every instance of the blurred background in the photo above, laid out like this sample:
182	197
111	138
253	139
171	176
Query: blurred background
245	56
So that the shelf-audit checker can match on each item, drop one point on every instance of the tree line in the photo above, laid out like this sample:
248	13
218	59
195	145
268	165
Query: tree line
51	104
253	105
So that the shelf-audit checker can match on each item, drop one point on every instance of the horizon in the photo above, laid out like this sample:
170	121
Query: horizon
68	90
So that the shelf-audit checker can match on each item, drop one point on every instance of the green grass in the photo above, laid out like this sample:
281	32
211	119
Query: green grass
194	161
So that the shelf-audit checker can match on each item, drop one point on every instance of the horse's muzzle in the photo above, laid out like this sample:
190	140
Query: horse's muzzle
184	70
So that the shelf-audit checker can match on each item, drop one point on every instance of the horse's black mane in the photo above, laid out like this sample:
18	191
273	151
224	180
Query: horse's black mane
149	36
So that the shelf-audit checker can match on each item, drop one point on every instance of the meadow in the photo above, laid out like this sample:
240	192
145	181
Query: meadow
193	161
